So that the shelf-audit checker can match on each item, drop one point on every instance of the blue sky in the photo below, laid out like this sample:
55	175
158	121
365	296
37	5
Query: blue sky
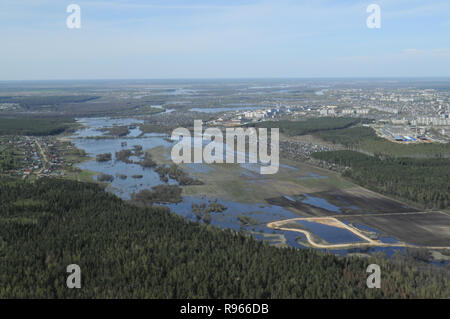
223	39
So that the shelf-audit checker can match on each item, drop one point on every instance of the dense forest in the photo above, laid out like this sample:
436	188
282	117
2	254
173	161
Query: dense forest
36	127
9	160
310	125
34	102
425	181
126	251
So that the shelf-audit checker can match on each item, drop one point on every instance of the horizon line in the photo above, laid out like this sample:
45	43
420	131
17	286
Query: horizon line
232	78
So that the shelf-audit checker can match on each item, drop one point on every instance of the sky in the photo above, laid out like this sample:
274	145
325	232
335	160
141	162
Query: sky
146	39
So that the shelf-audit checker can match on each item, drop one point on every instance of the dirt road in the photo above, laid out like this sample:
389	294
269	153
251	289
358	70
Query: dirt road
43	157
333	222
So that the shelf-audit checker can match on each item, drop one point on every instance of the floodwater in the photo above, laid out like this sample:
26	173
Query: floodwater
378	234
238	216
314	176
134	132
93	126
333	235
260	214
320	202
321	92
289	167
122	186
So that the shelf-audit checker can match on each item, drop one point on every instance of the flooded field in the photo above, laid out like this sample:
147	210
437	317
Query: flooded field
251	201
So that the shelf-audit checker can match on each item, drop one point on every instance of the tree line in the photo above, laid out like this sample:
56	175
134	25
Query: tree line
36	127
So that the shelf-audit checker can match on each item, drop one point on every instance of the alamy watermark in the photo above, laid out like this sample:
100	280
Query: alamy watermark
73	21
374	19
219	151
374	280
74	279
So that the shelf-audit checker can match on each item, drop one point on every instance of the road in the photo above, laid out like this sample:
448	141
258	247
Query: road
43	157
332	221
